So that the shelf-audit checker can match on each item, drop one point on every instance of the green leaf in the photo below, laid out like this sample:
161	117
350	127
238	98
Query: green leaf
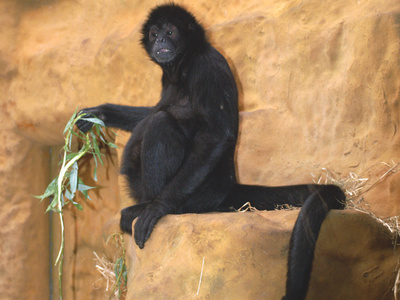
80	136
82	187
53	203
97	127
85	194
96	148
112	145
68	194
73	178
125	275
94	120
77	205
119	265
50	190
71	122
95	168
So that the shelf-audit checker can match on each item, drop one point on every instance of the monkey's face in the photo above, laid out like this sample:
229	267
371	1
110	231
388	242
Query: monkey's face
164	43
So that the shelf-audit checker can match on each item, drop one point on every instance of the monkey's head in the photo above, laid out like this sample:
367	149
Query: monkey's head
170	33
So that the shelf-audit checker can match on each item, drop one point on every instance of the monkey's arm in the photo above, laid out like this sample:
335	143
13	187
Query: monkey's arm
118	116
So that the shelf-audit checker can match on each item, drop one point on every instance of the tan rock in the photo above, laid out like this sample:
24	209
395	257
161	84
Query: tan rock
24	229
245	257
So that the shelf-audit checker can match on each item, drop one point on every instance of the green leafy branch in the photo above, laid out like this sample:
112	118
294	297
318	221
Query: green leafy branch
64	187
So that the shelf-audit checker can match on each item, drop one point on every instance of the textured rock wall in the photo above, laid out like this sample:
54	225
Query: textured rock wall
319	84
350	264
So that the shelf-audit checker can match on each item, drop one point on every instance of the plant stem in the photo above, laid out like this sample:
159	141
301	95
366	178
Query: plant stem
64	169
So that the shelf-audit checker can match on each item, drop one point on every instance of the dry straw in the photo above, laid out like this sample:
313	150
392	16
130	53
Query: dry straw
112	270
355	186
106	267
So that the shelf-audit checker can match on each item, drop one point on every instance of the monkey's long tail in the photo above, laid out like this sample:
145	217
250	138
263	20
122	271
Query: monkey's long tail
317	201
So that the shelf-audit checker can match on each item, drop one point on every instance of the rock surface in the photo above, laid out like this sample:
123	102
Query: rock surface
319	88
245	257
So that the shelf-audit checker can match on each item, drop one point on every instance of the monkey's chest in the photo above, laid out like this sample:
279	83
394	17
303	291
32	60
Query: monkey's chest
184	118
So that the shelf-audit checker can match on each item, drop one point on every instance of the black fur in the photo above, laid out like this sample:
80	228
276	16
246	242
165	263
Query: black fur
180	157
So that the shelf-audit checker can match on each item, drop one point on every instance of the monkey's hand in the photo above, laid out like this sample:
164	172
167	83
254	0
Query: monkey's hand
148	219
90	112
129	214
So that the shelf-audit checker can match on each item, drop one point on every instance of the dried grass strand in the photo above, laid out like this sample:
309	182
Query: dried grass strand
396	282
201	276
247	207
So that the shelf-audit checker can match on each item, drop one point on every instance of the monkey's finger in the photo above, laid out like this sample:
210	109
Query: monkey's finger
150	228
142	227
83	125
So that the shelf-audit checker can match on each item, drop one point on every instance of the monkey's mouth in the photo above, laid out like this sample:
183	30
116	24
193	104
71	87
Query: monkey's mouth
164	55
163	50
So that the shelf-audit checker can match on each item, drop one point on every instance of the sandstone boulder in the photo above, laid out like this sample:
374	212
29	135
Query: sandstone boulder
243	256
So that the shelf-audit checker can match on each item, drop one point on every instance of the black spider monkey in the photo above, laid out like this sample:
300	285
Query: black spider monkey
180	156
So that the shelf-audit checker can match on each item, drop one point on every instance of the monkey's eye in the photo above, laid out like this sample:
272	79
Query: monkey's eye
169	32
153	33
